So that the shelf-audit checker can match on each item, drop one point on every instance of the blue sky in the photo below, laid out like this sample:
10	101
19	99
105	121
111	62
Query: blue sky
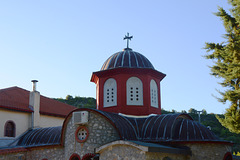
60	43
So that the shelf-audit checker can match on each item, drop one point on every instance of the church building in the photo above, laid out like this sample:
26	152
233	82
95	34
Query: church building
126	125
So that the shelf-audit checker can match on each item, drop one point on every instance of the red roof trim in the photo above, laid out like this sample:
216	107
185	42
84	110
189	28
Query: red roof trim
24	110
12	150
16	109
22	149
115	71
55	115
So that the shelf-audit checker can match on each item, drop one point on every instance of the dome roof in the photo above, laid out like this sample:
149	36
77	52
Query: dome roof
160	128
38	137
127	59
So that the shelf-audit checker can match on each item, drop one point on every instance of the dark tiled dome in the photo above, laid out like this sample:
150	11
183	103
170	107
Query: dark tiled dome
37	137
127	59
161	128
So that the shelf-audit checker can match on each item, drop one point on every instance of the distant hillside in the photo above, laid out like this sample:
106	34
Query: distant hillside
209	120
79	102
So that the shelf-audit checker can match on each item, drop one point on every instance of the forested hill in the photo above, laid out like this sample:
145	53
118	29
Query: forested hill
209	120
79	102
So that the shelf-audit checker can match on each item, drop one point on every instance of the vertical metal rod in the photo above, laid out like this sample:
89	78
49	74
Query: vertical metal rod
199	118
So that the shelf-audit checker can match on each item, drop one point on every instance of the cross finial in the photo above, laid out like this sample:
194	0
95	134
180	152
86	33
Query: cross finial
128	38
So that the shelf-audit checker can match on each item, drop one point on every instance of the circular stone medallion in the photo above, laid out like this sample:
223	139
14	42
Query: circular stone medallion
81	134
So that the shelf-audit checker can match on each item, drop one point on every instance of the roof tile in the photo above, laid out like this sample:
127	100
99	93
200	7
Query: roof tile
15	98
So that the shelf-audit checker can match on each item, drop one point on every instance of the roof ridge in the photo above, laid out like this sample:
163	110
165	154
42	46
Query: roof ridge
14	87
16	98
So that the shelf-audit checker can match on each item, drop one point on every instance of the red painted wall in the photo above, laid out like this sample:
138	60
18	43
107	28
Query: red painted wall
121	76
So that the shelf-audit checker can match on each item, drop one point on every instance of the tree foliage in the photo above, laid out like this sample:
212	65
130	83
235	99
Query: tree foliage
226	58
192	110
79	102
204	112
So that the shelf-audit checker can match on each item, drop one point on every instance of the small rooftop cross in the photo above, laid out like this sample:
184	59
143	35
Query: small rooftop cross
128	38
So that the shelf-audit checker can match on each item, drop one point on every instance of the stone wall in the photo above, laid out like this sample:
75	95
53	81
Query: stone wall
14	156
122	152
210	151
100	133
165	156
56	153
127	152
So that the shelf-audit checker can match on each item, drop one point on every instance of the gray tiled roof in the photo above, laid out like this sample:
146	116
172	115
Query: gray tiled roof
38	137
127	59
161	128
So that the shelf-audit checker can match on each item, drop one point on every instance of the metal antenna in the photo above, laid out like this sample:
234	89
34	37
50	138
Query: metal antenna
199	118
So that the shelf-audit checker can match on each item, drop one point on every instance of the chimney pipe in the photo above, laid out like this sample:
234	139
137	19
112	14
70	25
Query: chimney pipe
34	85
34	103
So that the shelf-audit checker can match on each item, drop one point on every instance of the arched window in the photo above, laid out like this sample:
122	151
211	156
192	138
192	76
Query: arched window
110	93
10	129
134	91
154	93
228	156
75	156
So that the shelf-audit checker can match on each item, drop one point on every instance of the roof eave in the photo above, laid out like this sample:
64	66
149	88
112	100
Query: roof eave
16	109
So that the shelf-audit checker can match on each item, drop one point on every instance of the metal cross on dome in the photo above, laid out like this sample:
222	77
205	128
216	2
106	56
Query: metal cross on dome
128	38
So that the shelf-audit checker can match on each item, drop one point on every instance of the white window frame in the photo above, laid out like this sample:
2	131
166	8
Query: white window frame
134	91
110	93
154	93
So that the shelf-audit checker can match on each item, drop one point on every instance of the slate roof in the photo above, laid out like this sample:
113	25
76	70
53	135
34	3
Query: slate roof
127	59
41	137
37	137
143	131
161	128
15	98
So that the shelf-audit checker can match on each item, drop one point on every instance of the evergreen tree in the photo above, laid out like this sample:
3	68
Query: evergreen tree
226	58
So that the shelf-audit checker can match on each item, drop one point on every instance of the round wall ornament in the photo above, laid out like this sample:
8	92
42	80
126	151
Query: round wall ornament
81	134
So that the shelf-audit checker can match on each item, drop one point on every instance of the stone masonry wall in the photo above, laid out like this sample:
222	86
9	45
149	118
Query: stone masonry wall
122	152
209	151
165	156
100	132
14	156
55	153
126	152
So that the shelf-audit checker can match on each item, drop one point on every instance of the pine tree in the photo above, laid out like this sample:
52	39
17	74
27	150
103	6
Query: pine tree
226	58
